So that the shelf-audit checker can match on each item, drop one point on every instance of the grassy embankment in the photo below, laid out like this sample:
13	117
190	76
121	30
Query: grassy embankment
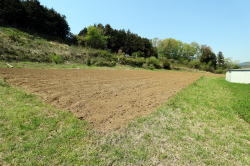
19	46
16	45
206	123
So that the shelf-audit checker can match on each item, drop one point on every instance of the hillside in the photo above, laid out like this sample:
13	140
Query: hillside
19	46
16	45
245	65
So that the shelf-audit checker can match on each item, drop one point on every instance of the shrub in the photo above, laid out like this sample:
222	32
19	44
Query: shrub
148	66
165	64
56	58
138	54
106	54
184	61
88	61
99	61
100	53
136	62
152	63
219	71
79	40
207	67
195	64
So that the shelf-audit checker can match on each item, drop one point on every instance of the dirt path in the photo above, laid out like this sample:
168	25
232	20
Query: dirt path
108	99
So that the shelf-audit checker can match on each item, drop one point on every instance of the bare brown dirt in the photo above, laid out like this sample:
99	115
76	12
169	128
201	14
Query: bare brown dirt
108	99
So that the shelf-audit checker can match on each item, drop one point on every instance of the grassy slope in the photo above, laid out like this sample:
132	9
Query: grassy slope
201	125
19	46
16	45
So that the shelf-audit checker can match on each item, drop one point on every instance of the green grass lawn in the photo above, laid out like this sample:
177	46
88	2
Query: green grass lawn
205	124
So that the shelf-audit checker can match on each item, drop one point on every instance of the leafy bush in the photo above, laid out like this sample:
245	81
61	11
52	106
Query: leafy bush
219	71
195	64
99	61
56	58
152	63
207	67
100	53
79	40
148	66
184	61
165	64
88	61
138	54
136	62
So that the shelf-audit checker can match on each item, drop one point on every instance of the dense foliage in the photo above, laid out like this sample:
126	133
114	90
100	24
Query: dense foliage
192	55
117	41
175	49
31	16
94	38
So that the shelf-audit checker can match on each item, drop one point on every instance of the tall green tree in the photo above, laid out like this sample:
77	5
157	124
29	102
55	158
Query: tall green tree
220	59
170	48
188	51
207	56
95	38
197	49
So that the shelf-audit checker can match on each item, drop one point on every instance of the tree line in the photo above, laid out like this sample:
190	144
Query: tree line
193	54
105	37
31	16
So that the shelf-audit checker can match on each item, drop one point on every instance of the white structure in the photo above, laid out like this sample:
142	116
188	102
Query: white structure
238	76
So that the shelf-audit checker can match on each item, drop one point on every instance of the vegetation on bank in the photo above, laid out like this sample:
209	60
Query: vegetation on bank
16	45
95	45
124	42
205	124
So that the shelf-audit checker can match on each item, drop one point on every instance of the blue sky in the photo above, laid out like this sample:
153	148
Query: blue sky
222	24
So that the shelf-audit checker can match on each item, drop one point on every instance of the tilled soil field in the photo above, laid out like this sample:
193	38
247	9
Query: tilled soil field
107	99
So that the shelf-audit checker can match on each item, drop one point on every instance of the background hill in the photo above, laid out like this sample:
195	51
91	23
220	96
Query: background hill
245	65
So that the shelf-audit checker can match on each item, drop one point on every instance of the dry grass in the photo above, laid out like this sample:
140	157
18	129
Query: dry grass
197	127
